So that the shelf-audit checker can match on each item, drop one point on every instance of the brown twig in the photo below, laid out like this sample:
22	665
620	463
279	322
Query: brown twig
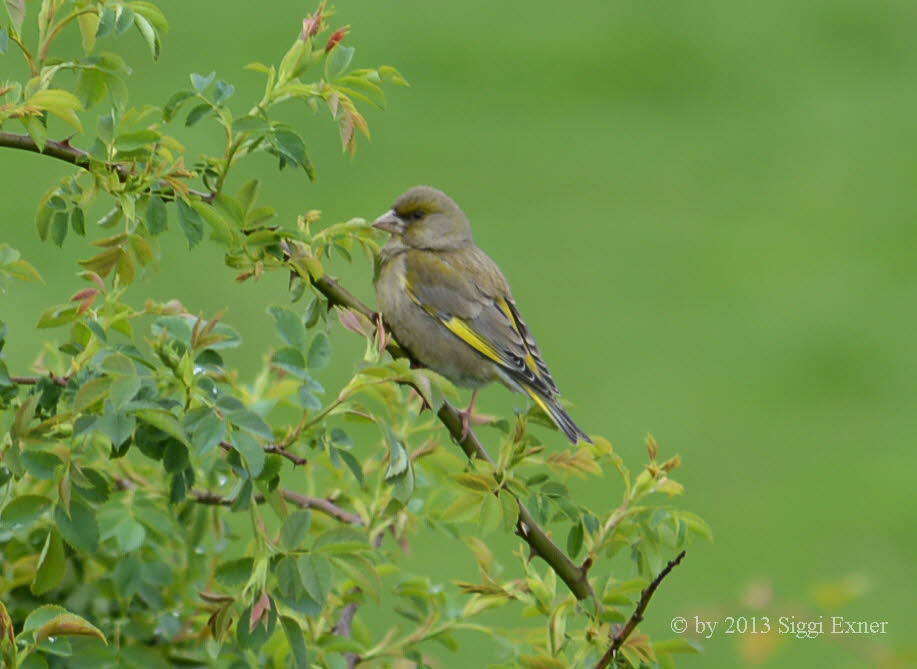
527	528
637	616
70	154
33	380
273	448
321	504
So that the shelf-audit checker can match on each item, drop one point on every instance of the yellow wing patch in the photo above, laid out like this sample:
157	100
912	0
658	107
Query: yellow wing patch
472	338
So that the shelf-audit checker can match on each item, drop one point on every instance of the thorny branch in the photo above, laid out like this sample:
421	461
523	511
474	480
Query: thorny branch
574	576
70	154
321	504
637	617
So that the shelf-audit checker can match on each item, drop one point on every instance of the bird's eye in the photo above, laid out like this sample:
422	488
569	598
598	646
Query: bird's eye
415	215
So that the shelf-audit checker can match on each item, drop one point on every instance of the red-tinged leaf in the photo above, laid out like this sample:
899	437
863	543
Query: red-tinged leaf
103	263
68	624
355	322
95	278
336	37
83	294
259	611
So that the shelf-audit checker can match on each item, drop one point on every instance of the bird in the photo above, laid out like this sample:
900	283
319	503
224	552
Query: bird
449	305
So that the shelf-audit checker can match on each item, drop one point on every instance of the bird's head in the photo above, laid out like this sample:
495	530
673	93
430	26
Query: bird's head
426	218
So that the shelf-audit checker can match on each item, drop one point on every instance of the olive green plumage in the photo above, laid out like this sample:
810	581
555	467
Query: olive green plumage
450	306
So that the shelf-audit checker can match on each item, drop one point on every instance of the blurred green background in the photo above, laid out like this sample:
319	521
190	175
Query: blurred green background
707	213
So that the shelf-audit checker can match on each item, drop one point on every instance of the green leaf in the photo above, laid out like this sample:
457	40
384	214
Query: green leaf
297	642
694	523
191	223
16	10
40	616
148	32
338	61
197	113
289	326
78	221
208	434
89	26
68	624
151	13
59	225
125	20
363	88
341	540
400	472
24	510
156	216
352	464
319	351
59	102
43	217
235	573
91	393
40	464
249	448
127	532
575	540
295	529
317	575
291	360
163	420
4	40
117	426
201	82
106	21
37	130
249	421
174	104
678	646
223	92
248	194
174	456
139	139
220	228
51	565
92	85
79	529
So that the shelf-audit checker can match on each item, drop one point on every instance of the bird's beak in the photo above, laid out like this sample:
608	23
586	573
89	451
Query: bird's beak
389	222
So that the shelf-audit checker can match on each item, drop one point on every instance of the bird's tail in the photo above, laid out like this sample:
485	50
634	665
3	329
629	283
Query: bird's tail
559	415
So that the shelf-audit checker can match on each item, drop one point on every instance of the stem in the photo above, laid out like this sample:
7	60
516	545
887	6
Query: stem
297	460
637	616
33	380
321	504
70	154
43	54
33	66
574	576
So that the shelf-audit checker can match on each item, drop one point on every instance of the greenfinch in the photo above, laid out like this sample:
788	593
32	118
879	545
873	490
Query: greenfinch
450	306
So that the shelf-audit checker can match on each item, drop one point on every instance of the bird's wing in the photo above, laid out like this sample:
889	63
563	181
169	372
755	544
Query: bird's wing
477	307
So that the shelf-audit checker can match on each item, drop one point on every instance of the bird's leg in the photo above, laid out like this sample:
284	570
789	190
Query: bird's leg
467	415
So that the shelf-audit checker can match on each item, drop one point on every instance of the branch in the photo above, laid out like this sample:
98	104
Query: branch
70	154
637	616
292	457
321	504
33	380
534	535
